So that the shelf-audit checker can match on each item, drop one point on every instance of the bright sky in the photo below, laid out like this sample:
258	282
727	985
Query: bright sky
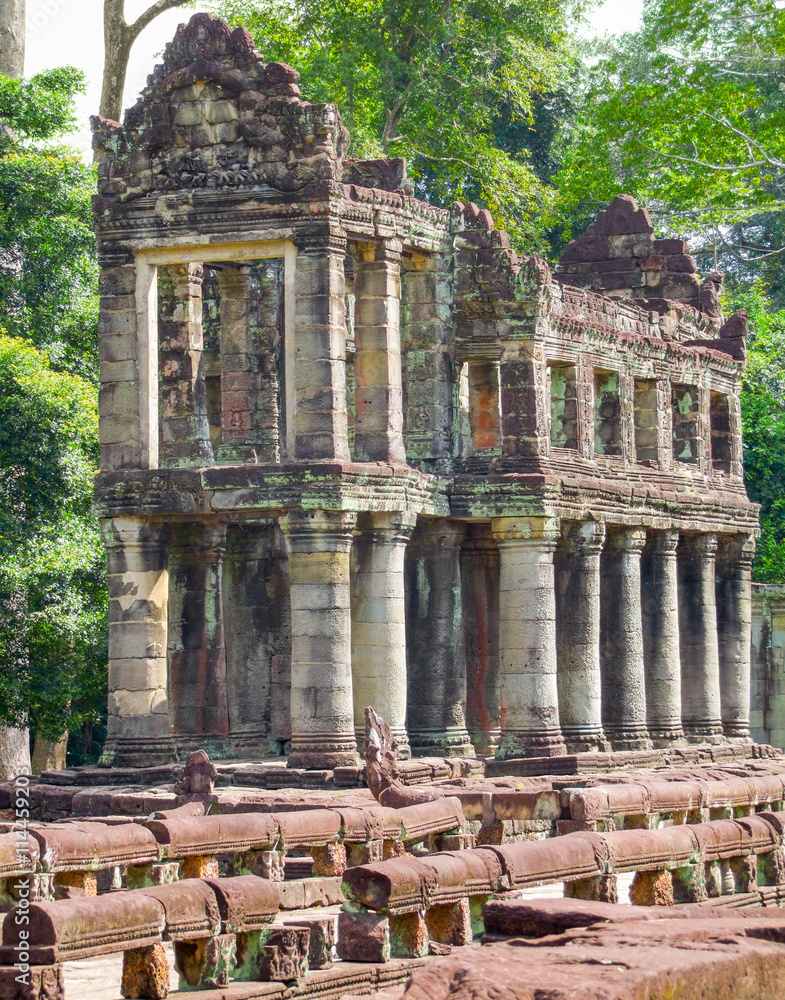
70	32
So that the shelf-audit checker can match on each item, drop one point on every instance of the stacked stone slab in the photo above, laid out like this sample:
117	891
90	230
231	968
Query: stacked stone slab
356	451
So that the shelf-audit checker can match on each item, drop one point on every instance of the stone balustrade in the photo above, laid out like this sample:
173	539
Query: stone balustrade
446	891
82	857
218	928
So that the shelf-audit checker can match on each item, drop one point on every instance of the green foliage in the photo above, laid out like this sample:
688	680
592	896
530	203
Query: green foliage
688	115
48	272
445	83
52	578
763	428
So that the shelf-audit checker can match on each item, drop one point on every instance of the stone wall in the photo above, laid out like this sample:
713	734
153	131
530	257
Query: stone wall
767	712
357	451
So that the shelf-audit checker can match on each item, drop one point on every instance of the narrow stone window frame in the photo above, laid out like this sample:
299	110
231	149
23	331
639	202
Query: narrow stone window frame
483	373
681	416
601	377
646	420
147	262
720	432
572	436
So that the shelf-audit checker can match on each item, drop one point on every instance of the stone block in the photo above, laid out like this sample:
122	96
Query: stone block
409	935
363	936
283	954
450	924
329	860
69	885
199	866
321	941
145	973
42	982
206	963
652	888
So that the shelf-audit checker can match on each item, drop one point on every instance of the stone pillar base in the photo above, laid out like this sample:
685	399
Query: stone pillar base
629	738
667	736
737	734
709	733
121	751
315	754
544	744
441	743
583	742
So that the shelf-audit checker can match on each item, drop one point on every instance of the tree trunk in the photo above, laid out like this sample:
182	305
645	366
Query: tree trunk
117	49
14	753
49	756
119	36
12	37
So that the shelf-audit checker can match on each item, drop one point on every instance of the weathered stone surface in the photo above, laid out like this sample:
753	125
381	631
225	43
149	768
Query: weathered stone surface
344	364
145	974
728	957
363	936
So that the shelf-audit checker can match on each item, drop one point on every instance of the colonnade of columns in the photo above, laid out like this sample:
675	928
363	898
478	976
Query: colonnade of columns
560	637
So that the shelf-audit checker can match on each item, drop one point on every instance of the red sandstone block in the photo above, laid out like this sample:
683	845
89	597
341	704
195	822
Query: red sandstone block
311	827
84	927
424	818
588	804
363	937
573	856
246	903
81	845
635	850
204	835
190	907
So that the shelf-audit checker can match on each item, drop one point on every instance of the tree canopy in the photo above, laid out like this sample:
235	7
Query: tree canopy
444	83
52	577
48	271
763	428
687	114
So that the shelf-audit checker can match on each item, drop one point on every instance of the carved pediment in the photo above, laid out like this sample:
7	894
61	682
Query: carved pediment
215	116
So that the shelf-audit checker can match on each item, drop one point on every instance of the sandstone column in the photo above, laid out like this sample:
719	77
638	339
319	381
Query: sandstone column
319	543
138	725
700	667
379	621
434	641
184	428
734	612
661	637
621	641
428	370
321	423
258	633
251	410
126	385
378	426
197	652
578	636
480	586
527	637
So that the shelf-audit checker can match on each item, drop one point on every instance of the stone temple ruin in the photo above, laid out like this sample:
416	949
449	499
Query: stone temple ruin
358	454
356	451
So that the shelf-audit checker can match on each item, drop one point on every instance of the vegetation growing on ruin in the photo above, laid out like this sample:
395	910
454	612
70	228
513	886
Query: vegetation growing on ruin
450	86
687	114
